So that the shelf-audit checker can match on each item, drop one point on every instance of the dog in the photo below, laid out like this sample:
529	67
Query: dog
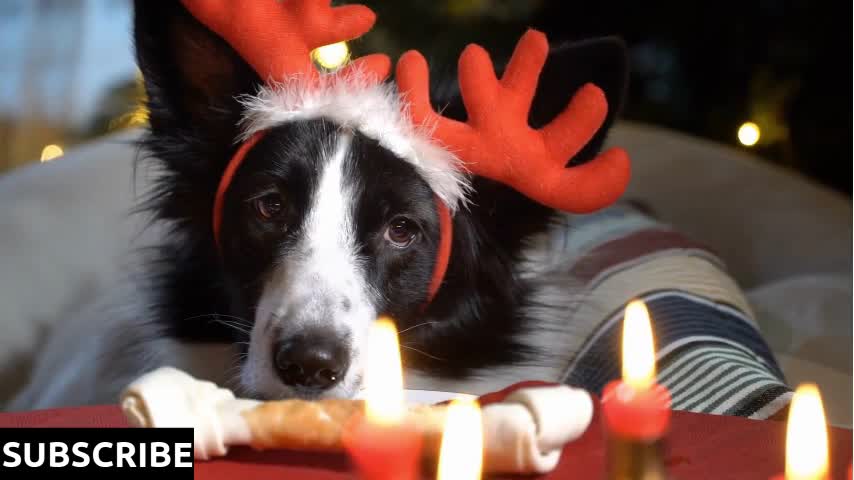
324	230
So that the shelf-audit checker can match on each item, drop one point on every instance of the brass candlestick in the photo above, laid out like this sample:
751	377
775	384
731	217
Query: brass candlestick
635	459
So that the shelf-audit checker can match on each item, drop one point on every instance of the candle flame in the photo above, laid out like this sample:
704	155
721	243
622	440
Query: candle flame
461	452
638	347
806	436
383	375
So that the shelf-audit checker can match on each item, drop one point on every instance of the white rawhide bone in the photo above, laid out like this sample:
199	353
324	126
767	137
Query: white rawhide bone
523	434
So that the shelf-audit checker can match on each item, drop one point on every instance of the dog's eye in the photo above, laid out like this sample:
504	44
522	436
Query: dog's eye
401	232
268	206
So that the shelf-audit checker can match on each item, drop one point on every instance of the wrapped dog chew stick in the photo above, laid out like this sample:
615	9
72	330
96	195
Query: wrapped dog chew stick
524	434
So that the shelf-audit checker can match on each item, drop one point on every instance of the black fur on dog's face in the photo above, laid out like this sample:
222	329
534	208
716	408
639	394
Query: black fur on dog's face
325	230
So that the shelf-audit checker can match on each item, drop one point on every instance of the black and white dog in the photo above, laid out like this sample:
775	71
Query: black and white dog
323	231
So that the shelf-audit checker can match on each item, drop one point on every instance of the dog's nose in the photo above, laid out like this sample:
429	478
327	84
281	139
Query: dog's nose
310	362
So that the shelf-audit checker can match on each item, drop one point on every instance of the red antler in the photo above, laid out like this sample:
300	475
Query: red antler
496	142
276	37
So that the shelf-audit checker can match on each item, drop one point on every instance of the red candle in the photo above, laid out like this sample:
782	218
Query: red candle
636	414
807	455
636	407
380	444
383	451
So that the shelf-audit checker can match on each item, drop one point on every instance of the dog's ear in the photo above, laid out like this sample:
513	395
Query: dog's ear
600	61
192	77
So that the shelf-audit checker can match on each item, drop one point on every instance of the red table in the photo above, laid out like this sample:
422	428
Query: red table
699	447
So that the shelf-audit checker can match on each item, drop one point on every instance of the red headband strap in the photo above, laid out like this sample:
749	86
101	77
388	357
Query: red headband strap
225	181
443	252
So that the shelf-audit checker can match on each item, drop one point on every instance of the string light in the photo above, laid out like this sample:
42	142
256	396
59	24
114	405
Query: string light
138	116
49	152
748	134
331	56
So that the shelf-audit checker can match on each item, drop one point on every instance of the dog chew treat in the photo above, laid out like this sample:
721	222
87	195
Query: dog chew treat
523	434
300	424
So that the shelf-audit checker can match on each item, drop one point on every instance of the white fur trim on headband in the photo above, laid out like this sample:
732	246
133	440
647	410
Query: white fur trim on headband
373	109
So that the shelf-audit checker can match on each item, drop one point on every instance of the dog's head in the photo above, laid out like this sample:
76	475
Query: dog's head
324	225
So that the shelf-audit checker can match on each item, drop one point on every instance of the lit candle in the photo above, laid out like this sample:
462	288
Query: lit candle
806	436
380	444
461	452
636	409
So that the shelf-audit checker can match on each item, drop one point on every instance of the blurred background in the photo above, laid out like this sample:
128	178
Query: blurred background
771	76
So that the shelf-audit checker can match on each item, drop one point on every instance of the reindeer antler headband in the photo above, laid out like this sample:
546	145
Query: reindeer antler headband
276	38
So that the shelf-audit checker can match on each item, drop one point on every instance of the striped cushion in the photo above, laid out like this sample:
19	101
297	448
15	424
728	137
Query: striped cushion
710	352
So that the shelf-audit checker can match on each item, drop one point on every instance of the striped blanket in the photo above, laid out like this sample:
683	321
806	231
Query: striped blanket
710	351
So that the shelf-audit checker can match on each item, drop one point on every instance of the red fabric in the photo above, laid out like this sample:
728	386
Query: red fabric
276	38
698	447
496	141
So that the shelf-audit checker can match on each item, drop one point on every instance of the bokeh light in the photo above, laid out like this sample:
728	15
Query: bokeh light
332	56
748	134
49	152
